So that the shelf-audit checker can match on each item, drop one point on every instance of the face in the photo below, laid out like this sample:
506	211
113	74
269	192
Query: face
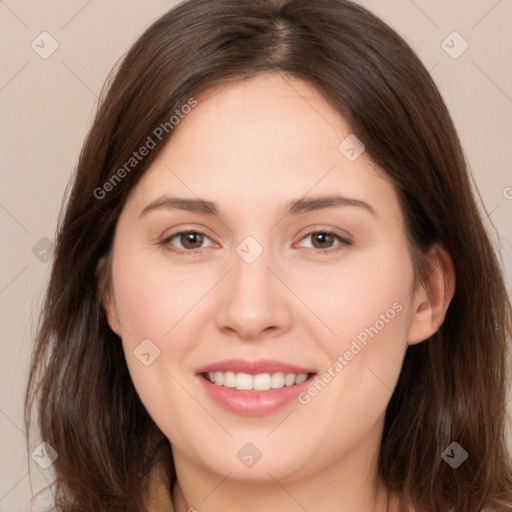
275	328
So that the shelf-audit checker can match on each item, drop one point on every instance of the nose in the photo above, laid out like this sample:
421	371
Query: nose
255	304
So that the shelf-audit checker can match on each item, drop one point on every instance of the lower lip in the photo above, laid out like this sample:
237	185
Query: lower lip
253	403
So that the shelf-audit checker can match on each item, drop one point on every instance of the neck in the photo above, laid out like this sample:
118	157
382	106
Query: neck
346	486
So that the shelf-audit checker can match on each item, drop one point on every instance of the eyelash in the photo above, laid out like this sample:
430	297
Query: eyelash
195	252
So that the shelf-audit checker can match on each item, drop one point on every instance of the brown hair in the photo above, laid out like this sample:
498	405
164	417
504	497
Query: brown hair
452	387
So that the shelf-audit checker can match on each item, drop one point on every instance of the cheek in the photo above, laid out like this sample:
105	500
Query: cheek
364	299
153	296
368	309
153	302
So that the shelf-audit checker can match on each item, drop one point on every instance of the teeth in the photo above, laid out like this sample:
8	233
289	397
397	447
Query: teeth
260	382
243	381
229	380
277	380
219	378
289	380
301	378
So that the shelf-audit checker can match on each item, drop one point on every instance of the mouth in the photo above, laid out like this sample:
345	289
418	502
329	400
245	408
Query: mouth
253	388
259	382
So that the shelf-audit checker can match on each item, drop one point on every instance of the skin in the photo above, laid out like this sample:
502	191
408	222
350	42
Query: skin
251	147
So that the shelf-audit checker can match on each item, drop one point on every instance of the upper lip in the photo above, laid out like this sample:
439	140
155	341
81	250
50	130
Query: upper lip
252	367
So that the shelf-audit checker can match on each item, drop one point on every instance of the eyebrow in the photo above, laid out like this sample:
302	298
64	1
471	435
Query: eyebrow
294	207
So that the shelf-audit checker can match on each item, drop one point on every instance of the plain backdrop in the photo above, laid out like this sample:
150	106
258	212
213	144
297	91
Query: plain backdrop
47	101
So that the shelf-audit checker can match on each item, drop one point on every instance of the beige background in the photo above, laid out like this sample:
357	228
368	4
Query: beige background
47	107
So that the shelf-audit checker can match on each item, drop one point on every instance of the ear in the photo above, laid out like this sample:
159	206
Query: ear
432	296
103	275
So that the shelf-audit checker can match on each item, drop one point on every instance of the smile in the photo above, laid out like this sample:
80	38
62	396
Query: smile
253	388
259	382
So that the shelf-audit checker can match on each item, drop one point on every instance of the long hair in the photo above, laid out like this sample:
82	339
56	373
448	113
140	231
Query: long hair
452	387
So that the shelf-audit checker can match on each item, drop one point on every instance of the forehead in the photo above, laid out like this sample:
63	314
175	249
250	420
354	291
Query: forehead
269	138
230	118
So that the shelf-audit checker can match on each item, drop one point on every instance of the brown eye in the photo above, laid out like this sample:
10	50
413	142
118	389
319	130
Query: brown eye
325	241
185	242
191	240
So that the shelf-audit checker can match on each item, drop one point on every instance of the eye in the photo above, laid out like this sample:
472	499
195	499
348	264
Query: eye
322	241
190	242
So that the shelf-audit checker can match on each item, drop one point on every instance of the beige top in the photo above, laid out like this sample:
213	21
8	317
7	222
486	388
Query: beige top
160	499
159	491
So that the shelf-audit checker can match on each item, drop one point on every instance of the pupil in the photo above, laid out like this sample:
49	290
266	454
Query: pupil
189	237
325	236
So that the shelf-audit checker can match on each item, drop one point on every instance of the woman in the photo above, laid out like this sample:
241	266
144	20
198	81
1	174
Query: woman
272	289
